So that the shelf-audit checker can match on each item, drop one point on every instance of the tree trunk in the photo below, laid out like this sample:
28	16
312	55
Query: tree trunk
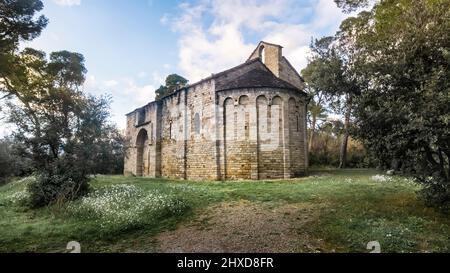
343	153
313	129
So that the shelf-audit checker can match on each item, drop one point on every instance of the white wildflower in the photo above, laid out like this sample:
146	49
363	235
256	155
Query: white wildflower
124	206
381	178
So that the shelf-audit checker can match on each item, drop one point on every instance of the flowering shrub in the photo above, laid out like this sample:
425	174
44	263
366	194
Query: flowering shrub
125	206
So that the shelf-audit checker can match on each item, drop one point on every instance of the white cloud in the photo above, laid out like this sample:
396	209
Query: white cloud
68	3
111	83
126	92
214	33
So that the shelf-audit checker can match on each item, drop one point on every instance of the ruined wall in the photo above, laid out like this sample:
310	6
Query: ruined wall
181	130
141	148
173	119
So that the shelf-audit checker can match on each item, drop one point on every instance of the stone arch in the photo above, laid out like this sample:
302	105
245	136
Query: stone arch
228	101
244	100
141	141
261	100
243	118
292	103
277	119
277	100
228	130
262	108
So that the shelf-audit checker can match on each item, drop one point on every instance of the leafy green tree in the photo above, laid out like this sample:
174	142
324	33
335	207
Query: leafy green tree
107	151
17	23
351	5
401	60
317	111
12	160
329	72
62	128
173	83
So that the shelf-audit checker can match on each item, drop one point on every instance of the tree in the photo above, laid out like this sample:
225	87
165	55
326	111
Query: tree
17	23
12	160
402	57
351	5
108	152
317	111
173	83
329	72
61	127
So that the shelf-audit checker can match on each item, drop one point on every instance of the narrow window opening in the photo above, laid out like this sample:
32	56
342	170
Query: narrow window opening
262	54
247	125
235	125
197	124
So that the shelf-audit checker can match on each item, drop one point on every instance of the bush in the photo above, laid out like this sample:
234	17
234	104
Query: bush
58	185
436	193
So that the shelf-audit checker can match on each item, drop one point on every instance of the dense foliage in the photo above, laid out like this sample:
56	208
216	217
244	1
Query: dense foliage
404	112
63	131
173	83
12	161
397	57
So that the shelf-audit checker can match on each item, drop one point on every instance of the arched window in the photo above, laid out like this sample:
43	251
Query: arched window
262	54
197	123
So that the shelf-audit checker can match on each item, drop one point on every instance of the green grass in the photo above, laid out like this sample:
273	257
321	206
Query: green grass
352	210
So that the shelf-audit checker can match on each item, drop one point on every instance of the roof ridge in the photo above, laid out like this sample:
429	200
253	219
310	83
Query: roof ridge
293	68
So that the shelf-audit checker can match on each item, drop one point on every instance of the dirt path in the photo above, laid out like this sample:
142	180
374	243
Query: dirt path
243	227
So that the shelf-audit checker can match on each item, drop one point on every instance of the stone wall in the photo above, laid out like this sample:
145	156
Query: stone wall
259	139
270	55
210	131
234	134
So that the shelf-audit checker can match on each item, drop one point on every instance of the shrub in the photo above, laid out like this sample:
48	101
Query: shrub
58	185
436	193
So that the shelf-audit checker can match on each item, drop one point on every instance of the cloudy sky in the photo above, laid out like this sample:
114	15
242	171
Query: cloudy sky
130	46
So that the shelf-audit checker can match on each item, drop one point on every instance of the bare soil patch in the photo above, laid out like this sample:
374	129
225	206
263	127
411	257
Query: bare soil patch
244	227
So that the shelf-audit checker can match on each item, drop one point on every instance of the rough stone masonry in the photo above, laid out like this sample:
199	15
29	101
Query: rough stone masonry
248	122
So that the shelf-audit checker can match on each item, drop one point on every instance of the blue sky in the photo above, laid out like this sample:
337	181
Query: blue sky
131	45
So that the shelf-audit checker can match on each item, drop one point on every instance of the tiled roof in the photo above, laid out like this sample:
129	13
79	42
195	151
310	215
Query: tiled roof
256	78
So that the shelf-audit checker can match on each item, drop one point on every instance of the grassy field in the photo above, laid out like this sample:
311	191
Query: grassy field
330	211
